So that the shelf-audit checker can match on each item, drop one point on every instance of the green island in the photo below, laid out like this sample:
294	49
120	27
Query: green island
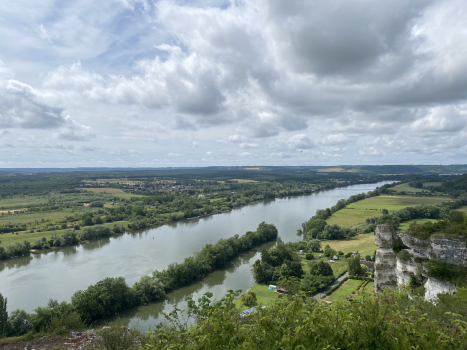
307	293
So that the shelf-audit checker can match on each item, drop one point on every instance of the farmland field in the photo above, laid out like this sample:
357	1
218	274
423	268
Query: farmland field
365	244
10	238
33	217
356	213
407	188
405	225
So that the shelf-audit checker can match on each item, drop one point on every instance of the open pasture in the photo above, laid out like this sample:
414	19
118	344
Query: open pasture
356	213
32	217
405	225
405	187
242	181
365	244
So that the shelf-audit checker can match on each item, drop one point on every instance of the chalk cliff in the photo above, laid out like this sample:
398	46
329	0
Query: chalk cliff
391	270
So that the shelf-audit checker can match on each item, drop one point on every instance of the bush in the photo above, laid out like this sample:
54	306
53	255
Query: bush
404	255
65	322
249	299
117	339
309	256
340	253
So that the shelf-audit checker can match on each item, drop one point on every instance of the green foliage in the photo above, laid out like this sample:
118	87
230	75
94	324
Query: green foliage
19	323
148	289
104	299
314	245
120	338
329	252
404	255
321	268
249	299
353	266
389	320
444	271
3	316
309	256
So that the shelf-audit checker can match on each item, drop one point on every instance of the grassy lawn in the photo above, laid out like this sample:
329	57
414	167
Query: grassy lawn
464	209
370	286
353	283
405	225
263	294
365	244
342	293
33	217
356	213
407	188
337	267
114	191
10	238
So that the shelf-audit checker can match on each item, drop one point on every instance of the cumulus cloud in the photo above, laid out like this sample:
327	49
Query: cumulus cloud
292	80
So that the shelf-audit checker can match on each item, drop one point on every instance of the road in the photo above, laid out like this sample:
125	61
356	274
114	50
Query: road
328	288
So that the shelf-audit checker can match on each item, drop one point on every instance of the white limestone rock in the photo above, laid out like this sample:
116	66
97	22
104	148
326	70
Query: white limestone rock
433	287
419	248
450	251
405	269
384	236
385	269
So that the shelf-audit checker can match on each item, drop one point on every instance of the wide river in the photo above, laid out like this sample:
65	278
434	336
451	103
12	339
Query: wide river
30	282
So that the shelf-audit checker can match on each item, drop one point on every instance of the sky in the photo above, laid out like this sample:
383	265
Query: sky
142	83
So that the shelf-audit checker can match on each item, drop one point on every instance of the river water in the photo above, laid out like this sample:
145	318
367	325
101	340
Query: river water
29	282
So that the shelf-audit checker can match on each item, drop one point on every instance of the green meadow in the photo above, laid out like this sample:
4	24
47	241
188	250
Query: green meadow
356	213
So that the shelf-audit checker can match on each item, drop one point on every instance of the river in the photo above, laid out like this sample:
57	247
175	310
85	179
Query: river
29	282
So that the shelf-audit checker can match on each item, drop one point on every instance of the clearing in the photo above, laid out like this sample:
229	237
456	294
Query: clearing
407	188
365	244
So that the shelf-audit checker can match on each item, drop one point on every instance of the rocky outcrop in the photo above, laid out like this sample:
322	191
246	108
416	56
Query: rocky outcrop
385	260
391	270
433	287
406	269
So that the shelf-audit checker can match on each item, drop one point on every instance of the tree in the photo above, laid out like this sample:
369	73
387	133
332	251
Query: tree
3	317
249	298
353	266
314	245
321	269
328	251
19	323
333	232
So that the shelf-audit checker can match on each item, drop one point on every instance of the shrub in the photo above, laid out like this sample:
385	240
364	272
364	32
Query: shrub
340	252
120	338
249	299
404	255
309	256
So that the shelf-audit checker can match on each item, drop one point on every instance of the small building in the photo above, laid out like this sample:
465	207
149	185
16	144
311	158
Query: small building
356	253
335	257
300	252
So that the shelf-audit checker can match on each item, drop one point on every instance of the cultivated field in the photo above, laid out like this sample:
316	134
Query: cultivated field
356	213
365	244
405	187
33	217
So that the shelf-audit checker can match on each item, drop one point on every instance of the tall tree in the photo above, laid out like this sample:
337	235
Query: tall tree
3	316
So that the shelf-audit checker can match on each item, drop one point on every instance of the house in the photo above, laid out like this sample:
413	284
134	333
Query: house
356	253
300	252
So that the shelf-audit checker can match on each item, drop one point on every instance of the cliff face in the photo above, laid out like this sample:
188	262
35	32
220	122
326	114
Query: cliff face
391	271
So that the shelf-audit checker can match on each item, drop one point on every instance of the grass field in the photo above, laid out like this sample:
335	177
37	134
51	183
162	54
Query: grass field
407	188
464	209
10	238
114	191
356	213
264	295
32	217
405	225
342	293
365	244
347	288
